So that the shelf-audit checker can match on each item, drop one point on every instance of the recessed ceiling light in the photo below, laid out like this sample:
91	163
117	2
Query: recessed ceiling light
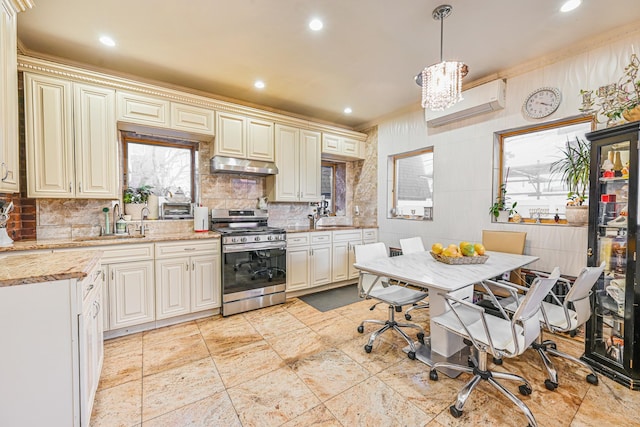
348	110
107	41
569	5
316	24
259	84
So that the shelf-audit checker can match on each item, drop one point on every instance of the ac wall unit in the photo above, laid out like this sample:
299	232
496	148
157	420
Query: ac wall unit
478	100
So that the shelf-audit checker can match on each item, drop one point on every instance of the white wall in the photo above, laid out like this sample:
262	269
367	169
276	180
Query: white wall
464	163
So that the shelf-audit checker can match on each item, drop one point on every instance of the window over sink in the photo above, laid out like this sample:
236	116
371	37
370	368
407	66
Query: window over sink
167	165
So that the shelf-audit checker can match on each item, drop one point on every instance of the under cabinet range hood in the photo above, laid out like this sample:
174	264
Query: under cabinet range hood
221	164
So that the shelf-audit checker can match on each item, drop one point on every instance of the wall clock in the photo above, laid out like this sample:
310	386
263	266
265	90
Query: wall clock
542	102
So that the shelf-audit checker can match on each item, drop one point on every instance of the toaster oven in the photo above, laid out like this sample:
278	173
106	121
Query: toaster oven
177	210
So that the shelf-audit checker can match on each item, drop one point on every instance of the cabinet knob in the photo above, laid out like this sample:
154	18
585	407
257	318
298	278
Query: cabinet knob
70	187
590	252
80	187
6	169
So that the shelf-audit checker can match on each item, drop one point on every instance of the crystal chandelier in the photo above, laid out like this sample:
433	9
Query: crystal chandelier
442	82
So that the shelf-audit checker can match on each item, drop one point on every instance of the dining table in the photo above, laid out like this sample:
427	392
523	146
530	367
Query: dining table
422	270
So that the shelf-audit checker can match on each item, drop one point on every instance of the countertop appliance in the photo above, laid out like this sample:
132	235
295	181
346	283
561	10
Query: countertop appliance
177	210
254	260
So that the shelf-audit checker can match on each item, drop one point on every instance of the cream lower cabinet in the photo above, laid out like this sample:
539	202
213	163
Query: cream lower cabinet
344	243
71	139
9	174
52	351
308	260
299	166
187	277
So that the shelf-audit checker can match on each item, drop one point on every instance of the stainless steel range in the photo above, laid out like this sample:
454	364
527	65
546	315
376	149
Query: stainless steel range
254	260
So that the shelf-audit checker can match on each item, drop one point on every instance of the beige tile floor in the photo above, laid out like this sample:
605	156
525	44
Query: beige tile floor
291	365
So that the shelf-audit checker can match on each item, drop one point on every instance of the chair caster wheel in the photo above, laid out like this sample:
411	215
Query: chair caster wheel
361	329
553	346
457	413
421	337
592	379
407	316
368	348
550	385
573	333
524	389
497	361
412	355
433	375
467	342
398	308
470	363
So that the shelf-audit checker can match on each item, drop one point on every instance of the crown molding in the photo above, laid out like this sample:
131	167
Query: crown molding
68	72
19	5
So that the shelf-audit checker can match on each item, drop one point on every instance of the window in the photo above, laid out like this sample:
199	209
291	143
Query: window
166	165
333	187
412	194
527	155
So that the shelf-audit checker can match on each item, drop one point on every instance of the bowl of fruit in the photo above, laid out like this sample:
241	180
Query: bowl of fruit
464	253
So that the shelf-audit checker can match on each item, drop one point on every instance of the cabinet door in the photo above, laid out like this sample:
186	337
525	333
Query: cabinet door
142	109
172	287
298	268
351	258
230	139
351	148
91	350
287	161
260	140
205	282
340	259
131	293
310	166
9	175
320	265
49	137
330	144
192	119
96	142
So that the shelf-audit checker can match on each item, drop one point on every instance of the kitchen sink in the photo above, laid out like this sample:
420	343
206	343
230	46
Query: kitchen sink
110	237
335	226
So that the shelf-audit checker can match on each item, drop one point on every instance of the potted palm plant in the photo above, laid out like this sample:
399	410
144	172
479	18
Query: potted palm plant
574	170
135	199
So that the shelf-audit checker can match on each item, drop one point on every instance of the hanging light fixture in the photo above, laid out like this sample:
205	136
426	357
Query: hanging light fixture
442	82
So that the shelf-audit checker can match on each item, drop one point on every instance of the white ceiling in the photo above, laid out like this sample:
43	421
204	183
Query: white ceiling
365	57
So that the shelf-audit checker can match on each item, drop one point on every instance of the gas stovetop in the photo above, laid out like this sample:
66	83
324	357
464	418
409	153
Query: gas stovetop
234	230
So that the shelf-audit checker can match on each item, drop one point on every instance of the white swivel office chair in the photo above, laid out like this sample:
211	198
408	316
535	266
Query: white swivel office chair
408	246
394	295
497	336
564	314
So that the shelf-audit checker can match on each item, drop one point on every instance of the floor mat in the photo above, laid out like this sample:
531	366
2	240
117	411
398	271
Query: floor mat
333	298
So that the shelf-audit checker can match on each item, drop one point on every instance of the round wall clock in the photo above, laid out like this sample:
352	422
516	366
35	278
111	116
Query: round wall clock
542	102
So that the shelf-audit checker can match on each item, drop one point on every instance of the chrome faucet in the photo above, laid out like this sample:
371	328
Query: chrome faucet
316	217
116	208
142	215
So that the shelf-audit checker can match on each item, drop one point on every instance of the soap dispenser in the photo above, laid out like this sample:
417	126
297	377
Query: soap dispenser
121	226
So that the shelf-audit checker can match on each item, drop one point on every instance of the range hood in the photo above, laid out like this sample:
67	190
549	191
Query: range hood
221	164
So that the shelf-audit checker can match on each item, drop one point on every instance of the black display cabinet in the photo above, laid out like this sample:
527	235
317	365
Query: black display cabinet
612	335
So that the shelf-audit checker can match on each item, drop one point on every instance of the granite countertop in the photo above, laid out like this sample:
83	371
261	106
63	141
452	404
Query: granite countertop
27	245
21	269
306	229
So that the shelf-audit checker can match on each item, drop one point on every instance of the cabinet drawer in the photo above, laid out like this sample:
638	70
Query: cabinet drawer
297	239
320	238
189	247
347	235
370	235
190	118
142	109
123	253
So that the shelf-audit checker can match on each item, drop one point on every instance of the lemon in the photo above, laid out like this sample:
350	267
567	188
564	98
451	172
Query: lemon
479	247
437	248
450	252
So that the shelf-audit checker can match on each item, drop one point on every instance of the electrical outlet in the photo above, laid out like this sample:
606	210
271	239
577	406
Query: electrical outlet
357	210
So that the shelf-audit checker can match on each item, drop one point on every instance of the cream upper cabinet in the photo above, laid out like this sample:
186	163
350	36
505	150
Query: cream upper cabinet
71	139
243	137
341	148
144	110
299	166
192	119
9	169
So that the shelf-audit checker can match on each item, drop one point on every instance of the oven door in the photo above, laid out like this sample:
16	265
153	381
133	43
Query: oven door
253	270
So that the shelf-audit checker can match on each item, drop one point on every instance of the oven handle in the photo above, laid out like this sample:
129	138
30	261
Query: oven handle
246	247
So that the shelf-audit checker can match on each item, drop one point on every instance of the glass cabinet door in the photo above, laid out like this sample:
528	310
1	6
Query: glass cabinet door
611	246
